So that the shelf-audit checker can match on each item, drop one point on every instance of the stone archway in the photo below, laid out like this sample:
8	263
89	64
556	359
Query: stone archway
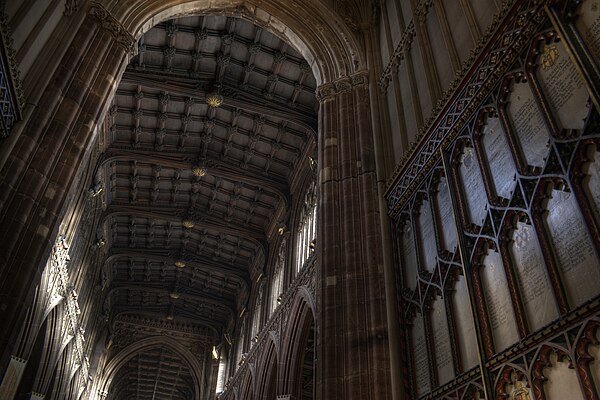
299	337
266	383
120	359
40	172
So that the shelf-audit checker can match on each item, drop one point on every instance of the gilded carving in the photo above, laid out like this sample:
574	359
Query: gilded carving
549	56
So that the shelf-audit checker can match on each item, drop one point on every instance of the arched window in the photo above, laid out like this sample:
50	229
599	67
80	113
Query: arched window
240	343
256	320
307	228
277	277
221	371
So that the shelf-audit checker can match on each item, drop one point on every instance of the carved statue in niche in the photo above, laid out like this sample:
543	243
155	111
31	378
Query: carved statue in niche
520	390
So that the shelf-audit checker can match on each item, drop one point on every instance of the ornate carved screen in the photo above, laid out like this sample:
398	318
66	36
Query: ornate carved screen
496	215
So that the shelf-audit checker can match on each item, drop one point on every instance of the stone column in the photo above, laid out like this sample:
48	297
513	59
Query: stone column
12	378
352	342
36	179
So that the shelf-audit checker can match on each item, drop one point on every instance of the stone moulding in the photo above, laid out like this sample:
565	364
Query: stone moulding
508	37
344	84
12	100
114	27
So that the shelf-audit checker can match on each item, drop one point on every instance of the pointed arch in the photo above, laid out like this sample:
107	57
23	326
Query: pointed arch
319	34
119	360
266	382
302	321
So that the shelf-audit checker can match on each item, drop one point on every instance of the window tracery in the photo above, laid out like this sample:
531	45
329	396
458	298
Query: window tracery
277	277
307	229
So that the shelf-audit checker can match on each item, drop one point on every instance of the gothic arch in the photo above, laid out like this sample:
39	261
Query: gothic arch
302	315
128	352
266	377
321	36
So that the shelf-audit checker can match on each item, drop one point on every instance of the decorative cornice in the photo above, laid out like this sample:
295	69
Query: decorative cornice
344	84
397	56
71	6
493	56
114	27
11	82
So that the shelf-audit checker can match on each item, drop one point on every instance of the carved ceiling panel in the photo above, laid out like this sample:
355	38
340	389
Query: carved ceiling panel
211	122
157	374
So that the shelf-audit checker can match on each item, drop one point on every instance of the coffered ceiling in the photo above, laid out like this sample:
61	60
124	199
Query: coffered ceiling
210	126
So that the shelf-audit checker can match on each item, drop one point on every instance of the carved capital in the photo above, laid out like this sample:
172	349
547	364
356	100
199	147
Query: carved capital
342	85
114	27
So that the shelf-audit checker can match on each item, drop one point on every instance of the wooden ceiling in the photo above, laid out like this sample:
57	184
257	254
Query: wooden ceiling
196	184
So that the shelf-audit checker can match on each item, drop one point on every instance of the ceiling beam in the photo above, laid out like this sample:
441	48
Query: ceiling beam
214	326
183	290
212	166
178	215
191	87
201	263
218	302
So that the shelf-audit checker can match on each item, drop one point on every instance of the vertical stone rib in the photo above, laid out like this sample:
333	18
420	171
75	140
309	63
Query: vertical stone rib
47	157
353	348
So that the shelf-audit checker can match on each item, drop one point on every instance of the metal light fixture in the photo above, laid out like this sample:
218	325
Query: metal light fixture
199	171
174	295
180	264
96	189
214	100
215	354
188	224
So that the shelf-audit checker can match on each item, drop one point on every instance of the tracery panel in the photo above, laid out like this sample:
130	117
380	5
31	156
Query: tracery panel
517	171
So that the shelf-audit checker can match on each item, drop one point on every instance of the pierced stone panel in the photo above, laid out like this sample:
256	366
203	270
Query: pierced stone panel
427	240
563	86
464	324
409	256
573	247
498	301
441	342
445	214
592	183
528	124
534	283
588	25
500	159
420	354
472	186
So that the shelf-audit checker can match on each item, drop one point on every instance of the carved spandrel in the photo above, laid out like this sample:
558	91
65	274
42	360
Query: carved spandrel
573	247
534	284
465	327
563	85
498	301
500	158
409	256
594	351
420	356
561	379
592	184
441	341
588	25
473	188
446	216
427	237
529	125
